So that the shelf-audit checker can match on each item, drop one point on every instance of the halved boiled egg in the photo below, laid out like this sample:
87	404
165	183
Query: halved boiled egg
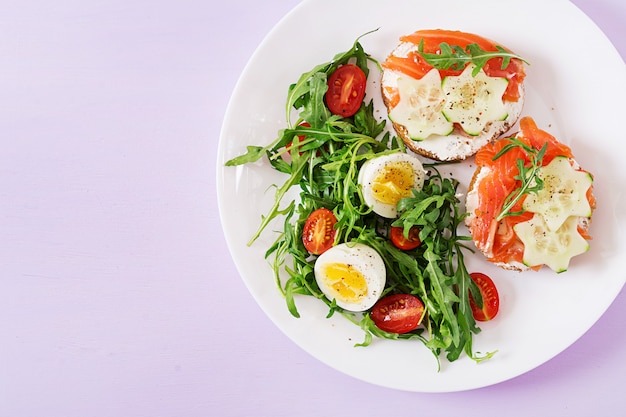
353	274
387	179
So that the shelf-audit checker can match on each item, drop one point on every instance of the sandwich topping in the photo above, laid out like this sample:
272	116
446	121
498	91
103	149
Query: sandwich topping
530	204
432	106
420	106
450	51
472	101
449	92
551	236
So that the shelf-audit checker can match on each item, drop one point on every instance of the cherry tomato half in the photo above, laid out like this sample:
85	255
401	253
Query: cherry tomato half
402	242
319	231
398	313
491	299
346	89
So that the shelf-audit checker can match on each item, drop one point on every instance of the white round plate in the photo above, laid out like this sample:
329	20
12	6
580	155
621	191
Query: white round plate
576	83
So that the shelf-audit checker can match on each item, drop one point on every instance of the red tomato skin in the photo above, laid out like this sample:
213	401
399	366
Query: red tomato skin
491	298
346	89
397	237
398	313
318	234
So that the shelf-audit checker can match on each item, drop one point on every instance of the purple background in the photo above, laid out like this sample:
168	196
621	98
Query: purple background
118	296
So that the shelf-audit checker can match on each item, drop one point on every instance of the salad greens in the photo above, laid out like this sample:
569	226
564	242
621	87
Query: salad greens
321	155
456	58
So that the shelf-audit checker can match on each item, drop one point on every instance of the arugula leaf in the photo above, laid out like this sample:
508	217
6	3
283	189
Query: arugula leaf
254	154
444	281
455	57
314	110
366	124
301	89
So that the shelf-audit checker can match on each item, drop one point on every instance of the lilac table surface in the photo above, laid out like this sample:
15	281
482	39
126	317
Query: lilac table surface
118	295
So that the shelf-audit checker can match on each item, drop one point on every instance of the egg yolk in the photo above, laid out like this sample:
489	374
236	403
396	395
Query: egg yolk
345	282
393	183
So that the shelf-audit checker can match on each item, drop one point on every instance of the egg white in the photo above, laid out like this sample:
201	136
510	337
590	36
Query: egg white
376	167
361	258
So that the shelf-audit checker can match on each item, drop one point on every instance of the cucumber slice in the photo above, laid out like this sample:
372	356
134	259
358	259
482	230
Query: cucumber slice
543	246
474	101
564	193
420	105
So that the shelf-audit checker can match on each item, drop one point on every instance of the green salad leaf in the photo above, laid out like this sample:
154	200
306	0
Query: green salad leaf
455	57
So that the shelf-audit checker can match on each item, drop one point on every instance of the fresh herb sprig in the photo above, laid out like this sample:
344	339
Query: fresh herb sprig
527	174
456	57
